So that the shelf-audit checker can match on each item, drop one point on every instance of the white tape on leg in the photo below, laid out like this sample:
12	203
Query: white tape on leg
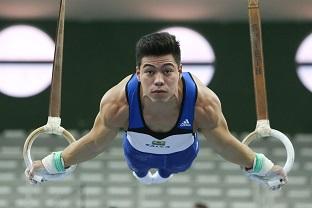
148	179
158	179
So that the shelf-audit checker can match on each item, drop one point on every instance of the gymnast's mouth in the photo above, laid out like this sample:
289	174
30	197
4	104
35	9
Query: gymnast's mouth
158	91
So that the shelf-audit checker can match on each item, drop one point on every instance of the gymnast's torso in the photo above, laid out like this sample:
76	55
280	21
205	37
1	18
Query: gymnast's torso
172	151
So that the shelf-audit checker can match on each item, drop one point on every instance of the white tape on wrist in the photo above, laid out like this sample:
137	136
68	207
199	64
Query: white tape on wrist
262	165
53	126
49	164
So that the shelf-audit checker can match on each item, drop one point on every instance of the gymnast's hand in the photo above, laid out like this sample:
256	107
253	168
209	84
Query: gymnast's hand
35	171
266	173
274	179
50	168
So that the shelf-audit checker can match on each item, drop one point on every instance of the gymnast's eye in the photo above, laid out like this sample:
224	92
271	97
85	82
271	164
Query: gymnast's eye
167	71
149	71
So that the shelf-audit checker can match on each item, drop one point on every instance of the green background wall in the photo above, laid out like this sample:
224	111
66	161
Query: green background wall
98	55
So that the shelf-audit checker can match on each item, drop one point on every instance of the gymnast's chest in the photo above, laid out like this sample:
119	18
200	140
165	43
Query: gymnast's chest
160	123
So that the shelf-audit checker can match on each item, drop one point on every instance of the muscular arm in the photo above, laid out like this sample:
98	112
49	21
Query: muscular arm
113	116
91	144
210	120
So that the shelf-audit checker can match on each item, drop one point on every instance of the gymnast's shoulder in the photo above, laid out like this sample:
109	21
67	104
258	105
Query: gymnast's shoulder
114	107
207	107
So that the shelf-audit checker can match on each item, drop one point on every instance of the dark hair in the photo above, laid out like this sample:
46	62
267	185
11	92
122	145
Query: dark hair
200	205
157	44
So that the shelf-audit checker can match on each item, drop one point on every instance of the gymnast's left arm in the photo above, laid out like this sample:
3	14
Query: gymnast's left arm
210	121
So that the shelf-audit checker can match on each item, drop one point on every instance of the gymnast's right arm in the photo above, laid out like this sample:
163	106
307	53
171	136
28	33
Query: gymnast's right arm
112	117
91	144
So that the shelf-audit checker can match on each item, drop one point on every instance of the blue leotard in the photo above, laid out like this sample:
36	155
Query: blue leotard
169	152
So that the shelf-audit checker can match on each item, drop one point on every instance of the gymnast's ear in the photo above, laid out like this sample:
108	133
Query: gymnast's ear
180	70
137	72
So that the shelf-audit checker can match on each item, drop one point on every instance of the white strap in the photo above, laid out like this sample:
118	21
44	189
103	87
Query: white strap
263	128
53	126
49	164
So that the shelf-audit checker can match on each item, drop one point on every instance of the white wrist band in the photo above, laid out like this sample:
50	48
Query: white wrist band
53	163
262	165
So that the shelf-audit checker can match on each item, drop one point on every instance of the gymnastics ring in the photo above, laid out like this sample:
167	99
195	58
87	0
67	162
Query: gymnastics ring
52	127
263	130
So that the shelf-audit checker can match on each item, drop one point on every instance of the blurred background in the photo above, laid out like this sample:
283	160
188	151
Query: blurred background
99	42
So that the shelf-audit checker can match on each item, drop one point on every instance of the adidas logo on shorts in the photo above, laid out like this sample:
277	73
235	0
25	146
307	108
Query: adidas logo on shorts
185	123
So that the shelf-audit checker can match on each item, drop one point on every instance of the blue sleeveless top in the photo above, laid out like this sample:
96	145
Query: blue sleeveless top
180	137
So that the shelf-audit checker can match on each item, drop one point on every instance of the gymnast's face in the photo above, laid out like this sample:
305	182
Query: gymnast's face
159	77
